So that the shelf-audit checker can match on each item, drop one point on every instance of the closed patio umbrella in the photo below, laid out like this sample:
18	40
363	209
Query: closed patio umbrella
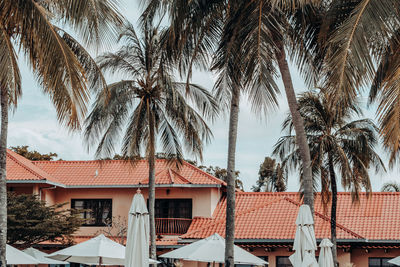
16	257
137	240
304	244
325	255
41	257
212	250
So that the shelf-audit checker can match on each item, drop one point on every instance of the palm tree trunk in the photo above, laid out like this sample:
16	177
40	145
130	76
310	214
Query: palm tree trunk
231	177
3	184
152	182
333	207
301	138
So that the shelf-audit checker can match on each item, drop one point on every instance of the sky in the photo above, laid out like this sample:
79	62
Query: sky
34	124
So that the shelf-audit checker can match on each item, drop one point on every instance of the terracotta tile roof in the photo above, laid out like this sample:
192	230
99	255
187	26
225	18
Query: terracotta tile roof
22	169
105	173
272	215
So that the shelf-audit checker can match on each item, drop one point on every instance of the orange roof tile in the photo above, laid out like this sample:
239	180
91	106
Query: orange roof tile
272	215
105	173
22	169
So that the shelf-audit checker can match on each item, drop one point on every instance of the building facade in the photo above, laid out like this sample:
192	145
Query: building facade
190	205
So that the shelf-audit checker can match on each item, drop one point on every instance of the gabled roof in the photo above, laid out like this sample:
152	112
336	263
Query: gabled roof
271	216
107	173
22	169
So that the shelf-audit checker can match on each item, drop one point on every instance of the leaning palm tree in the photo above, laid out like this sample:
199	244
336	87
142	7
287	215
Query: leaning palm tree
339	148
391	187
148	106
63	68
245	39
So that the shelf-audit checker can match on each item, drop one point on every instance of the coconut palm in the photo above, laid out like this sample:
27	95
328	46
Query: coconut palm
362	38
272	177
340	148
245	39
148	106
63	68
391	187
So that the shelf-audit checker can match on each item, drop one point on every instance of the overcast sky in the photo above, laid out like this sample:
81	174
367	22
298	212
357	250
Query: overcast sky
34	124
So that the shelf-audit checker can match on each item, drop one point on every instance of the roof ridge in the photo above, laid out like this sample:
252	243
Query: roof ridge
236	215
14	156
204	172
180	176
326	218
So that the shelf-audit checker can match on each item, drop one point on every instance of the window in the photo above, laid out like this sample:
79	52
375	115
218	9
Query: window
96	212
173	208
379	262
283	262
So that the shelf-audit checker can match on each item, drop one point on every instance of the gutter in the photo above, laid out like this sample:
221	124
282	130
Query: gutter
35	182
145	186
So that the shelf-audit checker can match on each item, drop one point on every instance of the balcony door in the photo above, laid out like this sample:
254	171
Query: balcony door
173	208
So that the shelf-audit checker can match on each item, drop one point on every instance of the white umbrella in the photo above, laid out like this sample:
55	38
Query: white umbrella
99	250
212	249
15	257
41	256
137	241
304	244
325	255
96	251
395	261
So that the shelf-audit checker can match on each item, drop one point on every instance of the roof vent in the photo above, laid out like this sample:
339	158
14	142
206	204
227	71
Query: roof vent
96	173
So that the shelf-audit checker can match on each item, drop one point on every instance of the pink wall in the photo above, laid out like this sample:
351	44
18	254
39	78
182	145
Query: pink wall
204	199
360	256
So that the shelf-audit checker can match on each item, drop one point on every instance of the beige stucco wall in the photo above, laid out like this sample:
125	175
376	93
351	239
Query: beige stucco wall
360	256
204	199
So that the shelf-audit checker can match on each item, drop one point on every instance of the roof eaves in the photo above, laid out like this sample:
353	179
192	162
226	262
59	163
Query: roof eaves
146	185
35	182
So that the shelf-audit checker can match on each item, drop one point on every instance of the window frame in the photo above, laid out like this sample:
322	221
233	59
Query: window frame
379	258
86	210
176	208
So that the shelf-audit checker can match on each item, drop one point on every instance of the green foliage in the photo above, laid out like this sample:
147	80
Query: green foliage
31	221
391	187
222	174
272	177
33	154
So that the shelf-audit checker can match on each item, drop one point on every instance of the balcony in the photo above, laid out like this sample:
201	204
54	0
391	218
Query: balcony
172	226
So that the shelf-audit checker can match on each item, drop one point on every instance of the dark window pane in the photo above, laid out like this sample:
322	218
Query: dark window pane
173	208
283	262
379	262
96	212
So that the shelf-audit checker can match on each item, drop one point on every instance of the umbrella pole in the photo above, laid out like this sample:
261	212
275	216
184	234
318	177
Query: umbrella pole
100	261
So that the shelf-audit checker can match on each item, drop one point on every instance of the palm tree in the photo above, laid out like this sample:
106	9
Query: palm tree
391	187
272	177
63	68
337	144
363	50
149	106
246	35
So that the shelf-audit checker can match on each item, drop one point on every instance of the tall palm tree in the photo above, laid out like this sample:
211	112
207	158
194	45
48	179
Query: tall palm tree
339	148
62	66
391	187
148	106
242	36
272	177
362	38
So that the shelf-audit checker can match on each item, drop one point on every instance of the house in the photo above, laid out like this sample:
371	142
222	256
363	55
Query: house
190	205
